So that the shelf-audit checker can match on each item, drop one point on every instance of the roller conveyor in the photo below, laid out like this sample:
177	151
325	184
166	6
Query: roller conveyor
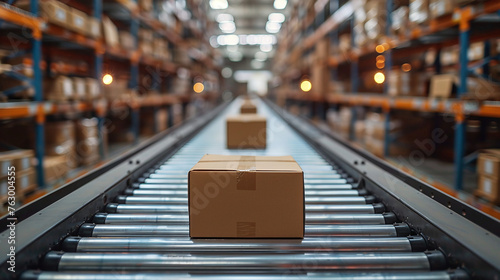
142	231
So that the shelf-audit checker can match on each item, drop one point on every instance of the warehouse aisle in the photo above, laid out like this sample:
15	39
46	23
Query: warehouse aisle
145	231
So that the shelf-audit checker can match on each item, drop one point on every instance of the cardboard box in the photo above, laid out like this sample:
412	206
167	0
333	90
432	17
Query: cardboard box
79	88
248	108
442	86
94	28
438	8
110	32
418	12
78	21
127	40
489	188
20	159
54	12
92	89
87	141
488	163
246	131
55	167
25	179
60	140
482	89
246	197
58	89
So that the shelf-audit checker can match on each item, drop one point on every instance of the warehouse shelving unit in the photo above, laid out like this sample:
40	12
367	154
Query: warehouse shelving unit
64	41
325	20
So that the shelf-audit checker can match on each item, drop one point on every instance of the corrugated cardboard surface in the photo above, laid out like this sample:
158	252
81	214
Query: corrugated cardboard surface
246	131
488	188
248	108
488	164
246	197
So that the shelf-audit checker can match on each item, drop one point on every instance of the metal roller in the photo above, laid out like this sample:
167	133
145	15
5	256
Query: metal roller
183	200
368	219
310	208
117	230
306	245
183	193
427	261
162	174
420	275
184	187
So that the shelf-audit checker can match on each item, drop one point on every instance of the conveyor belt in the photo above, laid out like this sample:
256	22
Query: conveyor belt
143	233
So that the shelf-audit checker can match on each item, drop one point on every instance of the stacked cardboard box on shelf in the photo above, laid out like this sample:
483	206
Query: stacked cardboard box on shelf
17	164
400	19
260	197
488	168
110	32
55	168
246	131
87	141
60	140
370	21
248	108
418	13
407	83
375	133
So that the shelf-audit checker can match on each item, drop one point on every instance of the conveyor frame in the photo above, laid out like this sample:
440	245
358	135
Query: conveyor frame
476	244
47	221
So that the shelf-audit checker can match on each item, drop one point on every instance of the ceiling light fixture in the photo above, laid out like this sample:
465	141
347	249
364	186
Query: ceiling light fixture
276	17
227	27
218	4
224	17
273	27
280	4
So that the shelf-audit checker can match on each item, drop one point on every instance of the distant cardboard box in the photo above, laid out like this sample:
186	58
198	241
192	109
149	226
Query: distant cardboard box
248	108
247	131
246	197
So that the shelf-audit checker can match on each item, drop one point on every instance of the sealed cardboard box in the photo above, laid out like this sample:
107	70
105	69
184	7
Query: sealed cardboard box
58	89
25	179
54	11
110	32
246	131
442	85
246	197
79	88
20	159
92	89
248	108
55	167
94	30
489	188
60	140
77	21
439	8
488	163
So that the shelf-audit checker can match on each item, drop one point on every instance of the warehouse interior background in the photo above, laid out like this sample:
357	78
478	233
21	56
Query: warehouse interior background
415	82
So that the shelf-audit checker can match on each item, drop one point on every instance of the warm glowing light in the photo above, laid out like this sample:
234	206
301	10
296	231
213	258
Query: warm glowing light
380	58
107	79
379	77
198	87
380	64
305	85
379	48
386	46
406	67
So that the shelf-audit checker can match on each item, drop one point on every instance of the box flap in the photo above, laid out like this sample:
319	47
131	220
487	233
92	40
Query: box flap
246	118
491	152
247	163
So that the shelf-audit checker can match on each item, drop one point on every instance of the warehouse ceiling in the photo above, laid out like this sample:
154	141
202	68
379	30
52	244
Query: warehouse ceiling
247	29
